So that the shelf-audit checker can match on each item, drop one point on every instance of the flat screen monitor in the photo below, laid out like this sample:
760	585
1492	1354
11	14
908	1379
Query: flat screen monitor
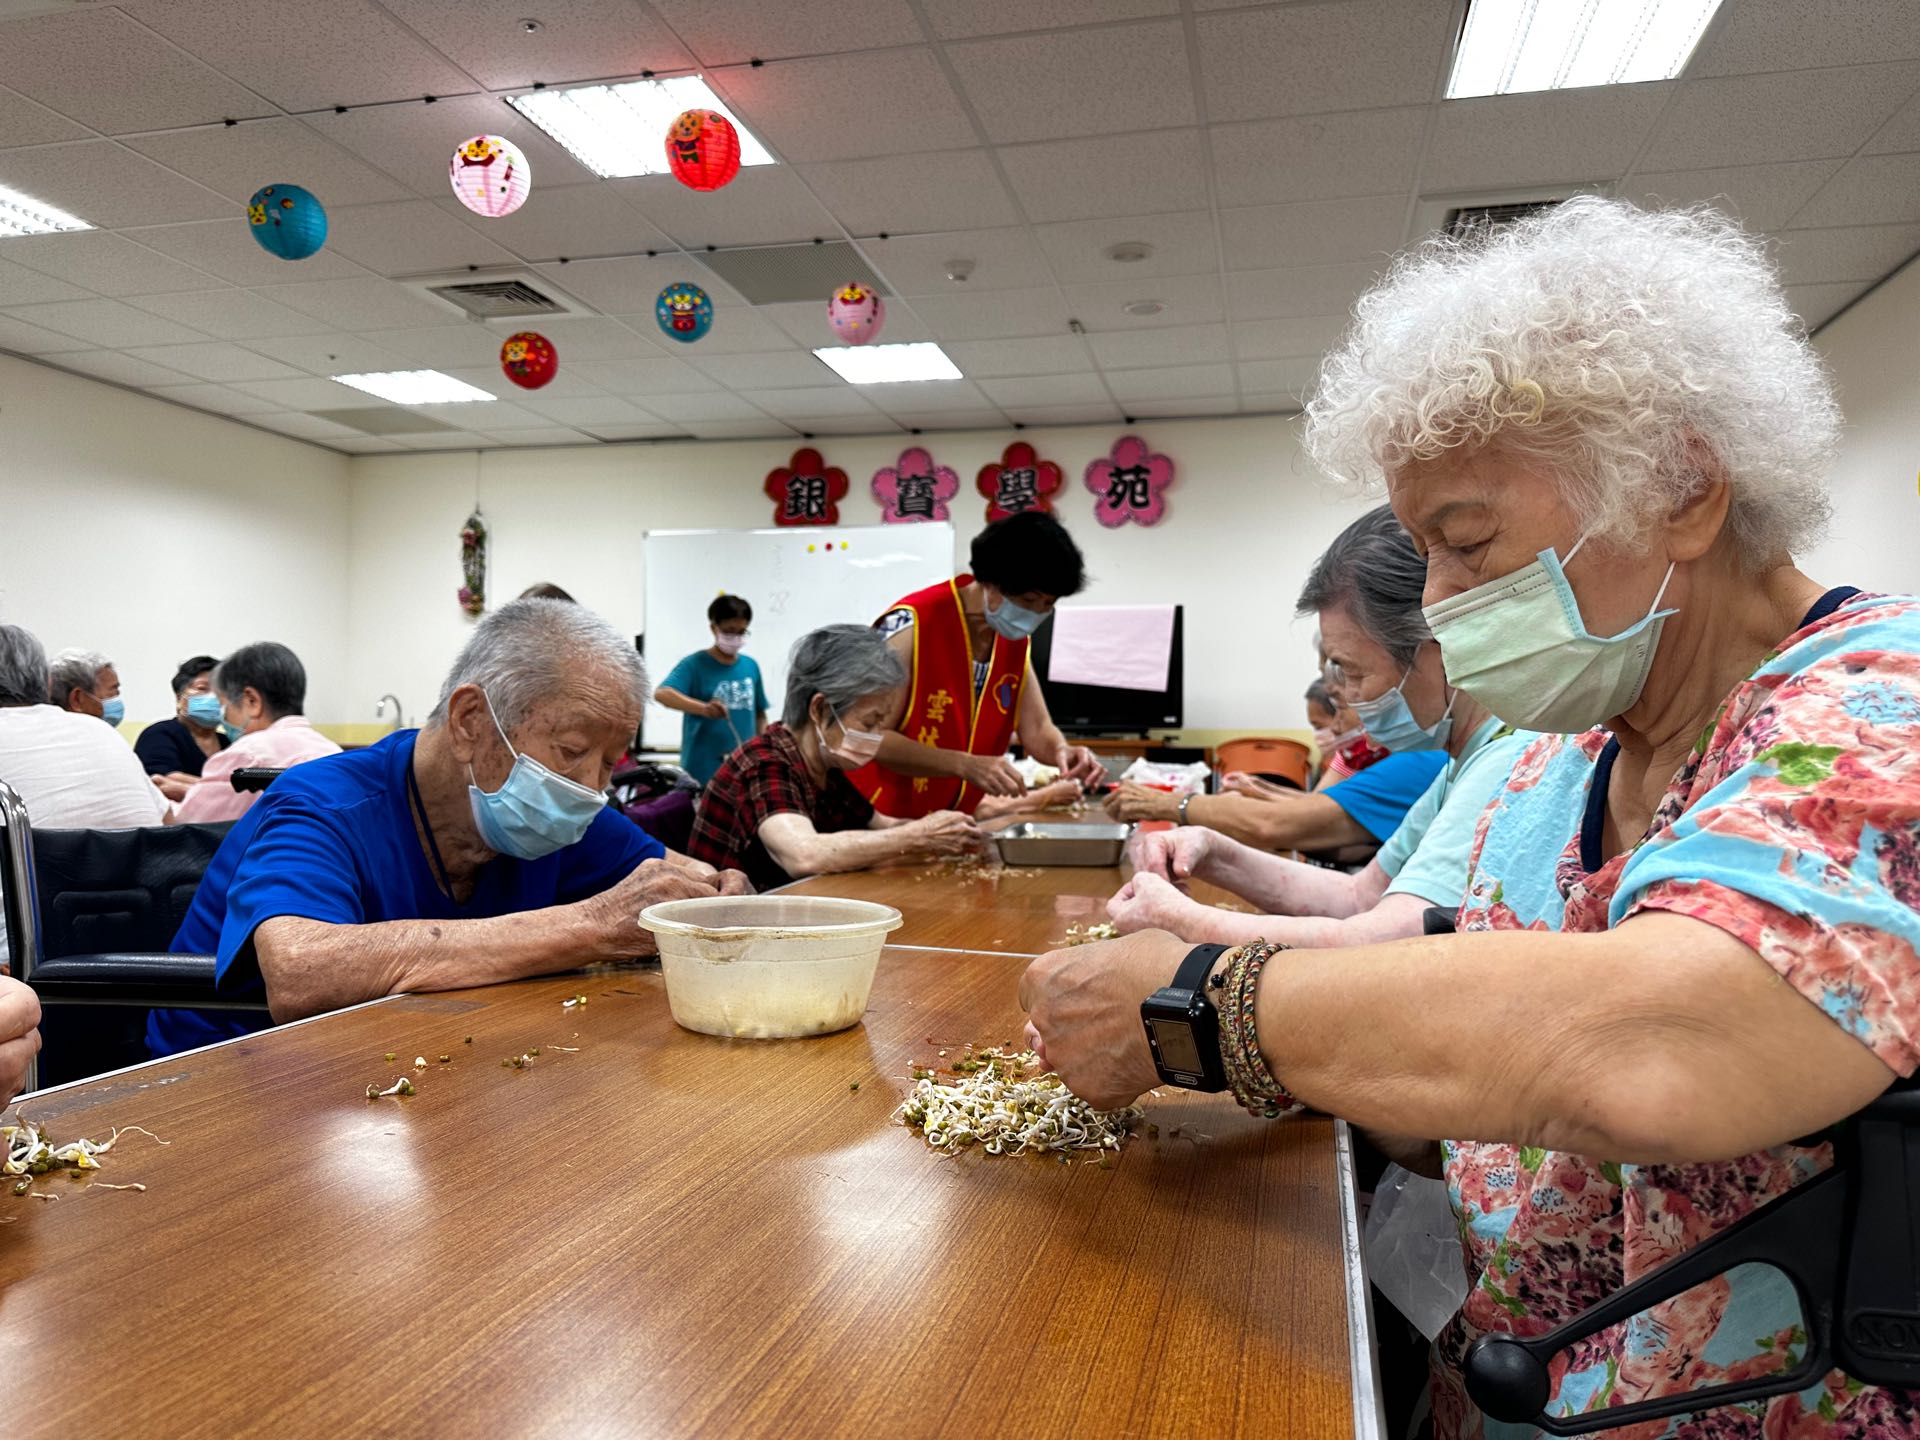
1108	710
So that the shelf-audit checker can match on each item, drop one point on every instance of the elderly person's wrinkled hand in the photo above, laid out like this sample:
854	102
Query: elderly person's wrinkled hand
616	912
1174	855
1060	792
1148	902
1083	1008
1132	802
735	882
947	832
19	1039
1238	782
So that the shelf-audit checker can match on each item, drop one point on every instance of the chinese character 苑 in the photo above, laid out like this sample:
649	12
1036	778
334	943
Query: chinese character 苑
1129	487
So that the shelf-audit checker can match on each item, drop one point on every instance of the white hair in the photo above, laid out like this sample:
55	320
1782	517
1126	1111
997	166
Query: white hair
528	651
1596	339
75	669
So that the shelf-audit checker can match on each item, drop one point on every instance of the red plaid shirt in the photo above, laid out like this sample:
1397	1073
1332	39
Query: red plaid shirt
767	776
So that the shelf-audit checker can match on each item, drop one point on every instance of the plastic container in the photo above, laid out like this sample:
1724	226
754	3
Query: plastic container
769	967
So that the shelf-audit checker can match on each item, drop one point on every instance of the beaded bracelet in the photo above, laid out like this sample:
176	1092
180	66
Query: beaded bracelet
1254	1085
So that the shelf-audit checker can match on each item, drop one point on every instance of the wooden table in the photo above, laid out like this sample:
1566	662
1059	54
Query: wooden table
662	1233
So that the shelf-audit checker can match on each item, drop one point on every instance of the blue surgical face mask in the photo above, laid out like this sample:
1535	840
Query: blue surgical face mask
1015	621
535	812
232	731
1389	722
113	711
206	710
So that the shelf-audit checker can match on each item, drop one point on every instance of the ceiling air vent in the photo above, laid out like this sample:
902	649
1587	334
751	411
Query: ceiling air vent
498	299
1465	220
783	274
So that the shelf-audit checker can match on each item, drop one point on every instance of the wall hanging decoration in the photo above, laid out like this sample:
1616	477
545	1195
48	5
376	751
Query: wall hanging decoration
914	489
856	313
806	490
529	359
684	312
1018	480
703	149
473	564
287	221
490	176
1129	483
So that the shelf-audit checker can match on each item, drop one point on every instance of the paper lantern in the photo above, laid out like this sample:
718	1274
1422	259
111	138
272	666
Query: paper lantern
1018	480
684	312
703	149
287	221
490	176
529	359
806	490
1129	483
856	314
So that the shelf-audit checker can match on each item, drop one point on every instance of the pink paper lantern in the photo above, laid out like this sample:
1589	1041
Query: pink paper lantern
856	314
490	176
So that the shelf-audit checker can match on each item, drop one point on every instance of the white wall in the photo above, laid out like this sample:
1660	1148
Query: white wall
152	533
1875	539
1246	520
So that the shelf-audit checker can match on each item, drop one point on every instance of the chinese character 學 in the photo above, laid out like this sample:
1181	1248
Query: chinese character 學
1019	480
1019	490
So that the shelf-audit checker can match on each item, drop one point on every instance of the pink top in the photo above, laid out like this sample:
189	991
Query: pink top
288	741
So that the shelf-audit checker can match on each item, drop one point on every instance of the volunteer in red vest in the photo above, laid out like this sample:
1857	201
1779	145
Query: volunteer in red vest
971	693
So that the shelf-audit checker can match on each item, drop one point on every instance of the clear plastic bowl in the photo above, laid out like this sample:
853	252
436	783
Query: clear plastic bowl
768	967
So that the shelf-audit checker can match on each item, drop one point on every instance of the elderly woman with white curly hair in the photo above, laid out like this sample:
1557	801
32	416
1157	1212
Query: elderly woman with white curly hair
1691	938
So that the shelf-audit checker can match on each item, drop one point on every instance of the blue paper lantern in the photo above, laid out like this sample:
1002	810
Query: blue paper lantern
287	221
685	313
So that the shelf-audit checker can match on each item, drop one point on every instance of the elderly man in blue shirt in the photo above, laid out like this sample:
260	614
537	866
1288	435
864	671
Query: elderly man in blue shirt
476	850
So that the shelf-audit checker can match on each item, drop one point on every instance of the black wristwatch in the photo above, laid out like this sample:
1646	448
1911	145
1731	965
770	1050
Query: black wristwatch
1183	1028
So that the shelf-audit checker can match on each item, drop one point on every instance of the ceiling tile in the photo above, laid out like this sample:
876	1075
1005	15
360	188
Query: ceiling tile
1183	244
927	396
366	445
1819	257
1320	157
121	369
646	377
1870	190
109	186
1763	197
724	32
1178	382
701	409
849	107
1185	300
1323	232
216	361
217	398
1000	17
1291	377
235	161
1004	259
1080	82
104	70
1302	290
231	315
1120	175
629	284
1296	59
1099	414
306	394
812	404
539	435
590	410
1281	339
329	354
995	314
737	329
1050	355
1761	119
763	205
1817	304
765	428
362	304
1172	345
226	248
805	323
653	430
104	262
1046	390
593	337
21	286
24	339
568	384
1269	403
901	194
443	347
27	122
479	415
106	322
441	440
1543	139
567	221
876	424
306	427
1900	133
304	56
934	421
413	143
1756	35
1184	409
579	38
779	370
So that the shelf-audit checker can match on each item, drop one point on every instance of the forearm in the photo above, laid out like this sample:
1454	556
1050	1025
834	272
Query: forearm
819	854
1297	822
1280	886
910	757
1044	742
674	700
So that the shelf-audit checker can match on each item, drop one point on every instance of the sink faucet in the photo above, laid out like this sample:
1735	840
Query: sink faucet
380	708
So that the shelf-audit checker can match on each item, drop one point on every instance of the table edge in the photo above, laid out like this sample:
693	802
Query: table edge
1363	1357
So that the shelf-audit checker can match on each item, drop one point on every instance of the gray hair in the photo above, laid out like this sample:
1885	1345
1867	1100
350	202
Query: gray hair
528	651
1372	571
842	662
23	668
72	670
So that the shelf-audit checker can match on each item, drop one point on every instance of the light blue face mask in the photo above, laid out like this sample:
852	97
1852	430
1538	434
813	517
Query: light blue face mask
1014	620
1389	722
206	710
113	711
535	812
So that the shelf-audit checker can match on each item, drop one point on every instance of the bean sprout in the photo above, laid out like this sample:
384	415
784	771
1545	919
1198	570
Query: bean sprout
1088	934
29	1154
1000	1102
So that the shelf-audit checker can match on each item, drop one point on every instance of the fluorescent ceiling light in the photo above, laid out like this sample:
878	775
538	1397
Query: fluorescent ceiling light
1511	46
621	130
24	215
889	364
415	387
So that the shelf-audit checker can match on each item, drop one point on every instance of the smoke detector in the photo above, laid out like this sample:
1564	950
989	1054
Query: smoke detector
1143	307
959	271
1128	252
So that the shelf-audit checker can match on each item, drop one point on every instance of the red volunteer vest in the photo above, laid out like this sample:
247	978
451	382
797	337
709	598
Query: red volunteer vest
942	710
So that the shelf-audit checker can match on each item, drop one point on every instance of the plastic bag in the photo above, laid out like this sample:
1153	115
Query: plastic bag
1175	779
1413	1249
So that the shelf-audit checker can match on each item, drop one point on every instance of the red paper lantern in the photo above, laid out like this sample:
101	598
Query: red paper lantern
529	359
806	490
703	149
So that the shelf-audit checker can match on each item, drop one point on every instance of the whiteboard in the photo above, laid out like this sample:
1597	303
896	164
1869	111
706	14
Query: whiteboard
796	580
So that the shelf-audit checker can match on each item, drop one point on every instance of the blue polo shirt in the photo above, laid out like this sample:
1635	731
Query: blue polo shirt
333	840
1378	797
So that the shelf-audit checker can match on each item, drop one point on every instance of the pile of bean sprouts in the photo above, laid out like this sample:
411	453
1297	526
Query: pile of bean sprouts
1002	1101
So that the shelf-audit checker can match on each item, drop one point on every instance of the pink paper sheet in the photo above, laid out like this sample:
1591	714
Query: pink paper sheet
1125	647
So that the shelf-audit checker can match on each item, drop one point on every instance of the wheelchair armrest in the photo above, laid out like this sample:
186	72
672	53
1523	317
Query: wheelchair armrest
135	979
254	778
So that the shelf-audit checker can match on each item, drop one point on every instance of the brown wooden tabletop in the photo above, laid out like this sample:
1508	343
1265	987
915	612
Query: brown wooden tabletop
659	1233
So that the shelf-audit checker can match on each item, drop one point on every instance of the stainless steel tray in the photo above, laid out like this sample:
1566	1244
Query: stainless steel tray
1063	842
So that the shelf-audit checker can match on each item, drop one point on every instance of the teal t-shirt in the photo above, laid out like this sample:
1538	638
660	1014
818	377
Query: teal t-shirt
704	742
1427	856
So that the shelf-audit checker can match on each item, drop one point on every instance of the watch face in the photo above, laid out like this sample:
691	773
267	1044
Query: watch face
1177	1050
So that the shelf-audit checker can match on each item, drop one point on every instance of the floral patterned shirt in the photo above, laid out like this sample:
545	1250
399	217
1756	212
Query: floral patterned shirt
1795	827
